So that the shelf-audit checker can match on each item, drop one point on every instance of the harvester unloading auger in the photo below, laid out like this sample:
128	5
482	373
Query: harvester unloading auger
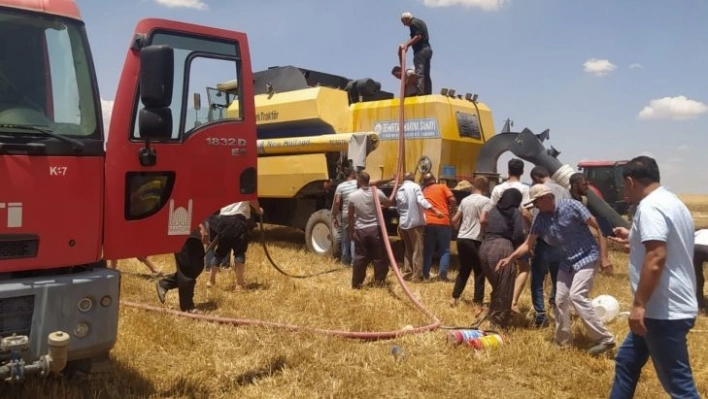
529	147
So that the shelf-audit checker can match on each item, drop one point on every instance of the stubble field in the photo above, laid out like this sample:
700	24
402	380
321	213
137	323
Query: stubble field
166	356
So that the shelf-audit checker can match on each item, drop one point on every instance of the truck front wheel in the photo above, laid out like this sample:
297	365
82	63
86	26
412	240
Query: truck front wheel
321	237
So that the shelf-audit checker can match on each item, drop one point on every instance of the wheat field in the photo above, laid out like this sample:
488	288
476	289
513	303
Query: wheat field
160	355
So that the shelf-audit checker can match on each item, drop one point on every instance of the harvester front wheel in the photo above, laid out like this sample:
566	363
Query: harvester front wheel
321	237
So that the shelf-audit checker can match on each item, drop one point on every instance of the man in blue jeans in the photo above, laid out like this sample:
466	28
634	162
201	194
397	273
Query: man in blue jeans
546	258
660	243
438	230
341	205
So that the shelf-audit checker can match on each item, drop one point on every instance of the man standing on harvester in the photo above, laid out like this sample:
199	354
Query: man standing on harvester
422	52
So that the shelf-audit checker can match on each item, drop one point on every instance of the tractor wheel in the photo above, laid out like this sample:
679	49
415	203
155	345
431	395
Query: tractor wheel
321	237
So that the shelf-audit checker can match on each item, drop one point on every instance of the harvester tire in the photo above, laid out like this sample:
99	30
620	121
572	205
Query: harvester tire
321	237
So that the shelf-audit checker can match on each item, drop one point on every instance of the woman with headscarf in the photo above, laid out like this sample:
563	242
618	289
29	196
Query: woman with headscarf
503	232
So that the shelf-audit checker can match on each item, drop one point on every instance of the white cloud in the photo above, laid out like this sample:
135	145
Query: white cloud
107	109
676	108
486	5
636	66
599	67
196	4
683	148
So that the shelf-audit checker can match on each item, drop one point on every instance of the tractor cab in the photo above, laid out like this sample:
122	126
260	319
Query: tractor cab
606	178
220	98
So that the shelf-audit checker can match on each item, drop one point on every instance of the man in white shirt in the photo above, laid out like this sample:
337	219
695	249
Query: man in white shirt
411	203
700	256
411	80
232	235
661	244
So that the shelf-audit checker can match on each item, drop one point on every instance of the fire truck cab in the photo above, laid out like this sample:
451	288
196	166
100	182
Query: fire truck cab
72	196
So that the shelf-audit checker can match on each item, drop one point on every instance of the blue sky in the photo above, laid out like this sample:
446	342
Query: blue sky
610	79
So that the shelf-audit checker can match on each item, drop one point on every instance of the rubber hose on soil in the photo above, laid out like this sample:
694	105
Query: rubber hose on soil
376	335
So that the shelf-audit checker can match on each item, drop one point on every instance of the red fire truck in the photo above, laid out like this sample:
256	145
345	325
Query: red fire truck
70	200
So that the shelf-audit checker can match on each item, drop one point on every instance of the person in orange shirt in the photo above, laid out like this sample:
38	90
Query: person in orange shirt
438	230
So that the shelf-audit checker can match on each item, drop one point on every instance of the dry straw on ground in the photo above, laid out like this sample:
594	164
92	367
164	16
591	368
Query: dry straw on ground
164	356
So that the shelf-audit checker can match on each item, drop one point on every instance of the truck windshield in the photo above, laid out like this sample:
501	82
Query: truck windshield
45	77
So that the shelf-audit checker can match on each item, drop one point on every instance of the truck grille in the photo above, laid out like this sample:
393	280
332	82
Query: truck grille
16	315
16	247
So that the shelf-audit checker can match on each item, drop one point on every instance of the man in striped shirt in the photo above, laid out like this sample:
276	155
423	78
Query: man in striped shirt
341	201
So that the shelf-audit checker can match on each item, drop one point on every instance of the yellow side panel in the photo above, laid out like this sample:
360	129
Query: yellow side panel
460	156
431	130
323	103
284	176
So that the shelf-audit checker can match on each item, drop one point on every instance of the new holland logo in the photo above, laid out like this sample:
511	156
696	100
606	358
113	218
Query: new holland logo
180	223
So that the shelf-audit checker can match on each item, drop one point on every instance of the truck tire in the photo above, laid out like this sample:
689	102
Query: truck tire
321	237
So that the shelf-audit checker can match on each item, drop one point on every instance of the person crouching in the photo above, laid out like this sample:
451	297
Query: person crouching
232	235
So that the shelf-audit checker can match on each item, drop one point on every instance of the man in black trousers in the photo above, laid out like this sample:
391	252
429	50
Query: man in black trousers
190	264
422	52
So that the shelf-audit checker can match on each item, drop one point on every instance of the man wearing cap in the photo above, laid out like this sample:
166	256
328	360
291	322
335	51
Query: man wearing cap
546	258
422	52
564	223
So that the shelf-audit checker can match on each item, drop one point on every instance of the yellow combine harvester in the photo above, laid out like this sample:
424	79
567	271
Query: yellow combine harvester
311	125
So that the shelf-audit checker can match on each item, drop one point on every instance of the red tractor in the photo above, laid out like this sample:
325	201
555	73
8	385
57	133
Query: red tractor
605	178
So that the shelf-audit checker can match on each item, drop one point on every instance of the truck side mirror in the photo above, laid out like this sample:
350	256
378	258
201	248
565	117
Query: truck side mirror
156	84
155	123
157	69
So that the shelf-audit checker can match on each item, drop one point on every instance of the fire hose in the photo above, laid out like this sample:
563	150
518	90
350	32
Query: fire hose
275	265
375	335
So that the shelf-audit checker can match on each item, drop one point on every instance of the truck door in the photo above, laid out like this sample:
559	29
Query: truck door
167	167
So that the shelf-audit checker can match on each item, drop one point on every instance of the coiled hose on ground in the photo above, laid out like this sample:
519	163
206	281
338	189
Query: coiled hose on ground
373	335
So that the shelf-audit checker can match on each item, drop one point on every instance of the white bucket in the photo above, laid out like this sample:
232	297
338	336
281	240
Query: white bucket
606	307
